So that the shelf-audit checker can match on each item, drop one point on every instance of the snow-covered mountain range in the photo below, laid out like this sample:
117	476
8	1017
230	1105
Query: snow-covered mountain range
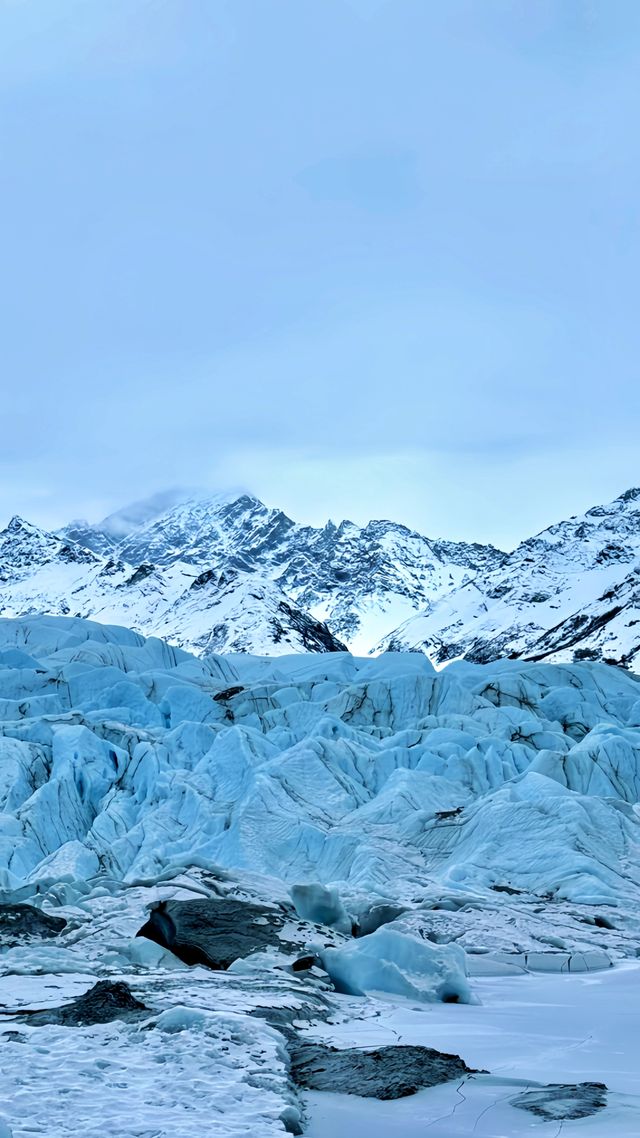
571	592
226	573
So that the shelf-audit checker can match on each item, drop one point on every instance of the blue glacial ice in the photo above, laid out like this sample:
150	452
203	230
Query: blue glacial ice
425	838
486	793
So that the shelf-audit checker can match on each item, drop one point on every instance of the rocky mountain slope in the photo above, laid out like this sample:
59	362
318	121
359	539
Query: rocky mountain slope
209	610
571	592
362	580
227	573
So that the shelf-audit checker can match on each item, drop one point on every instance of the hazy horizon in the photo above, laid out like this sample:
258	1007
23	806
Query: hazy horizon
367	259
181	494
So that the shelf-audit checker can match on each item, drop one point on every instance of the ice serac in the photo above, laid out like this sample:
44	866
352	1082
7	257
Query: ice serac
321	904
447	801
398	963
307	838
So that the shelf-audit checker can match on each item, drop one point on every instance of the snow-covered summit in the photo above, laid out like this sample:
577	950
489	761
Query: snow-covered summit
569	591
207	530
24	546
360	580
555	596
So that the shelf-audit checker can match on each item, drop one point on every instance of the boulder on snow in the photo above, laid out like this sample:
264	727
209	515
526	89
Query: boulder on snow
24	922
562	1102
106	1001
214	931
384	1073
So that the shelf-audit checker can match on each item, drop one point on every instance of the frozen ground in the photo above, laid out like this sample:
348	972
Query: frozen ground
228	1073
480	1108
545	1029
457	853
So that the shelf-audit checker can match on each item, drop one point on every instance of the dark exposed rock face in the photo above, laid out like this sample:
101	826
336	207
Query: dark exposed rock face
228	693
385	1073
316	635
377	916
304	963
560	1102
104	1002
215	931
24	922
141	573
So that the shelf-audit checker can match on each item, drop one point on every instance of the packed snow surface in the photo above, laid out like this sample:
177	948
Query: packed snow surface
436	837
529	1031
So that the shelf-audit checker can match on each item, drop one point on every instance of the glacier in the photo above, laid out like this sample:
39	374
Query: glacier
329	768
411	837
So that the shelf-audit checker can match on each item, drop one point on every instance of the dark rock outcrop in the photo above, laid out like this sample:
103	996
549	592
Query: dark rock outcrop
384	1073
24	922
562	1102
377	916
316	635
214	931
104	1002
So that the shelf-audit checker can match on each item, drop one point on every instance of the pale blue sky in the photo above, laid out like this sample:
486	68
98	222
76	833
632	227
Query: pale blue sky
365	258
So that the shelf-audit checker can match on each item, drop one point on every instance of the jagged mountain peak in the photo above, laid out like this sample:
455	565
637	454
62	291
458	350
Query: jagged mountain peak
630	495
25	546
205	528
21	541
568	592
139	515
122	522
351	582
569	589
18	524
